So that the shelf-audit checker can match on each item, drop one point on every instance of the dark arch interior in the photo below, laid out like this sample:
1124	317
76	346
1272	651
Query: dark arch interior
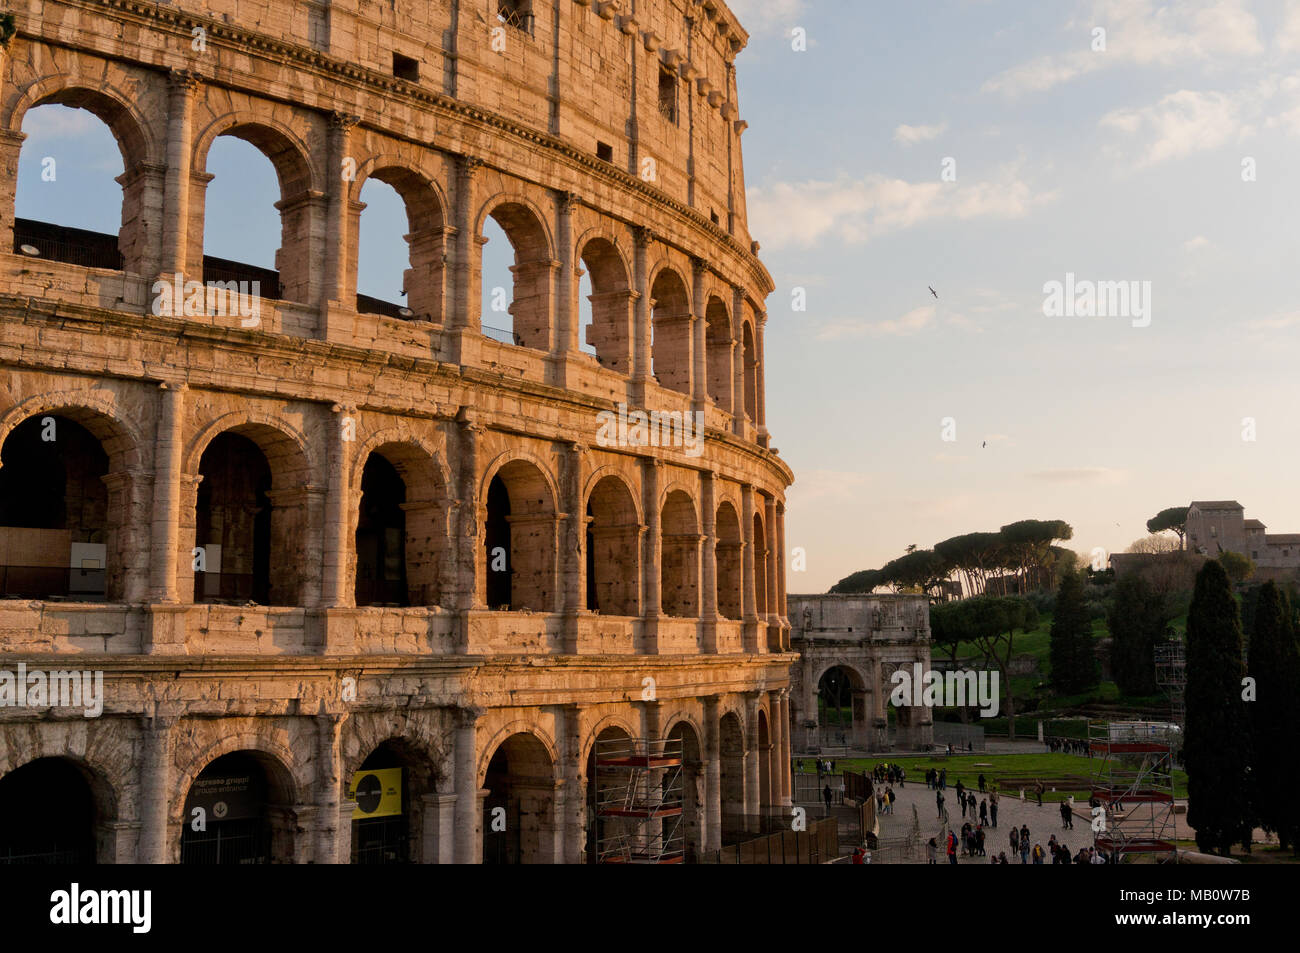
381	536
385	838
246	817
53	511
497	537
47	815
234	516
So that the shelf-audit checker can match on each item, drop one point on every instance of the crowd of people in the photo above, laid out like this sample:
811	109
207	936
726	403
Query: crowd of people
1068	746
971	841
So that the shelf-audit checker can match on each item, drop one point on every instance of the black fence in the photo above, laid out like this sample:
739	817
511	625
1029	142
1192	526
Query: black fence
228	842
75	246
819	844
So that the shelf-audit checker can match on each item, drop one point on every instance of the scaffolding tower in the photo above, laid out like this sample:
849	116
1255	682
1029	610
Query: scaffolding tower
638	795
1133	784
1171	676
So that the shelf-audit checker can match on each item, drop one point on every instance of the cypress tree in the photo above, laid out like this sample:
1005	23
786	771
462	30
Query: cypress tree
1074	666
1216	749
1275	666
1137	621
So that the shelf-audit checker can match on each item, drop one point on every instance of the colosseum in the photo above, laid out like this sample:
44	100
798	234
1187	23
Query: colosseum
363	581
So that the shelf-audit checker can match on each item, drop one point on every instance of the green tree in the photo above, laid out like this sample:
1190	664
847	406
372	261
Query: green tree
1238	567
1029	545
864	580
922	570
1216	749
1074	664
1275	666
989	623
1174	518
1138	619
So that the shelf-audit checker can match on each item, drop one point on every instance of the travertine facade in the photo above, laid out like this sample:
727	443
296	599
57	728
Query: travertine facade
868	638
393	501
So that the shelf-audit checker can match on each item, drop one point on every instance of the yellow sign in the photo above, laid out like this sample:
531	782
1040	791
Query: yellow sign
376	793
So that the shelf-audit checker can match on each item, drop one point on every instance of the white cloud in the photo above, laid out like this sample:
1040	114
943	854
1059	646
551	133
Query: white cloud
1183	123
911	135
1276	322
785	214
1140	33
1288	37
913	322
767	16
1197	243
827	485
58	120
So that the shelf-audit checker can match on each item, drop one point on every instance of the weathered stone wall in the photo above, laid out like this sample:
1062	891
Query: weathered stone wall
699	647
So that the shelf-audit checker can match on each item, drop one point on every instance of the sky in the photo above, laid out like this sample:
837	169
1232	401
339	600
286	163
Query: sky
983	149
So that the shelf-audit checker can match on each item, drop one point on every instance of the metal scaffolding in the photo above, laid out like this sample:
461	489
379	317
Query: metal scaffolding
638	801
1133	784
1171	676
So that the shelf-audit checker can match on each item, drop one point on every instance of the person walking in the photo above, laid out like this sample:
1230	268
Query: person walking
1015	842
938	800
943	779
952	848
984	813
979	839
1065	815
1038	853
932	852
826	796
981	780
993	814
961	799
1038	790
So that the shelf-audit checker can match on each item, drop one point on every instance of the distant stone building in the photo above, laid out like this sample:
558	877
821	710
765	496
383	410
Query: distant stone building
862	639
1215	526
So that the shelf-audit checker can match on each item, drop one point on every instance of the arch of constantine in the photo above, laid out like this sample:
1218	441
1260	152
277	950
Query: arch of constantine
340	535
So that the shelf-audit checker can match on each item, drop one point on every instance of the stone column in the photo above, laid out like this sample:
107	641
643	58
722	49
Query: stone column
787	782
778	766
566	314
338	236
700	402
176	182
463	318
782	558
438	827
573	554
773	560
651	731
575	791
712	775
738	360
471	582
342	431
469	849
642	239
652	555
329	794
749	607
753	805
709	563
11	144
155	789
165	525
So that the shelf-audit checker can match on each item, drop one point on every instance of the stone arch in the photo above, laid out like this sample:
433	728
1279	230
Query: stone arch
267	833
68	811
525	225
612	297
607	832
749	352
118	111
425	279
612	545
854	730
294	442
80	494
730	560
518	726
299	277
683	728
247	740
670	318
760	563
519	772
617	720
396	838
253	500
680	562
518	501
732	748
719	352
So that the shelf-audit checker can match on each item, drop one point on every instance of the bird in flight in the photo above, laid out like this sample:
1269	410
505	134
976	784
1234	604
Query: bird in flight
933	292
984	444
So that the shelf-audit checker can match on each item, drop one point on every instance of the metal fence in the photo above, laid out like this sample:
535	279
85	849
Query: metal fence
959	735
819	844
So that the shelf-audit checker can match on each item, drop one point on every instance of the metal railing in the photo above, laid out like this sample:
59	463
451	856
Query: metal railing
73	246
52	582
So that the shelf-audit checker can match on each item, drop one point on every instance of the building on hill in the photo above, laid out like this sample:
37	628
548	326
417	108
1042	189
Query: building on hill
1217	526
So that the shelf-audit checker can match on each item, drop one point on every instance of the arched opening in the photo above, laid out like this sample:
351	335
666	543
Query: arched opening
239	810
693	789
50	814
519	809
381	536
760	568
520	540
79	148
605	793
233	523
400	275
751	374
720	353
680	565
732	762
608	298
730	562
251	514
613	550
842	707
61	513
764	755
523	300
670	346
258	227
388	788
